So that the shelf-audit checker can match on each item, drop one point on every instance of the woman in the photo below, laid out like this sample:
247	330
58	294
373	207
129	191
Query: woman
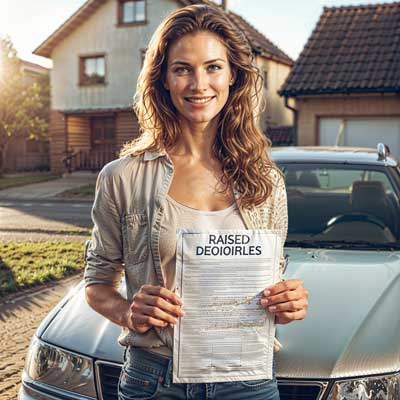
200	162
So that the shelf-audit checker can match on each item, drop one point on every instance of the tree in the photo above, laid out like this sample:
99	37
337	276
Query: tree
23	108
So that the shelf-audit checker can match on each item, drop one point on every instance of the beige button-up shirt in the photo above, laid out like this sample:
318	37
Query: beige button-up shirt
127	215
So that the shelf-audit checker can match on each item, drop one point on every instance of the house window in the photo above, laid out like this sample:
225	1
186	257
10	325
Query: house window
92	70
131	12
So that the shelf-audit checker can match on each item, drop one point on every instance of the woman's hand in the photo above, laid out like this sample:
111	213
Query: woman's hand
153	306
288	300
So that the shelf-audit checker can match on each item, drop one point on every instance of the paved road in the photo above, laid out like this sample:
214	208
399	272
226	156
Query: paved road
44	215
48	189
18	322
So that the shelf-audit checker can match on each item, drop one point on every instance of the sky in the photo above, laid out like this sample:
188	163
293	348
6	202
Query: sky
287	23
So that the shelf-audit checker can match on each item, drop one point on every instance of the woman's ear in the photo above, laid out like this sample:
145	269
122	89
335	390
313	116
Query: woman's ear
233	77
163	79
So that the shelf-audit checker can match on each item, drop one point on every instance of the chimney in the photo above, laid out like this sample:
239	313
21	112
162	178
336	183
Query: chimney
224	5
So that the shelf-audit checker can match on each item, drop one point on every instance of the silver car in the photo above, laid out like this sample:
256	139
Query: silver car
343	242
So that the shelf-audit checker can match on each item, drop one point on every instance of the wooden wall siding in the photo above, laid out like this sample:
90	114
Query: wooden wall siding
78	128
58	143
126	128
15	148
19	159
32	161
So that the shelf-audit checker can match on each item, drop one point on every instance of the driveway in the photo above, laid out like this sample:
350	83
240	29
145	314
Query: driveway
19	320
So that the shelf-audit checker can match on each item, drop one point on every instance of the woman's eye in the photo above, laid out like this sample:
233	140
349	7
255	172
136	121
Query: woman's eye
181	70
214	67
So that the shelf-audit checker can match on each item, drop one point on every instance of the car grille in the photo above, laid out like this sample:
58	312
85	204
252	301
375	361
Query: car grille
301	390
108	375
107	380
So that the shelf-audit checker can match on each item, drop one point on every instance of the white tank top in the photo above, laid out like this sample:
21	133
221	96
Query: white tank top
177	216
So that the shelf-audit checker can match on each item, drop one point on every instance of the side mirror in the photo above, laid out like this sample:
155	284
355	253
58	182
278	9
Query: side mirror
383	151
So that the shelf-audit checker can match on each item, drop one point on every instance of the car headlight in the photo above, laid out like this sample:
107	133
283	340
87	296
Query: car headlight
384	387
54	367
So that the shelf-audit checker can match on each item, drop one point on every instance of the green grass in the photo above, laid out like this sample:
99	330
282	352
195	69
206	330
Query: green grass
66	230
15	181
80	192
27	264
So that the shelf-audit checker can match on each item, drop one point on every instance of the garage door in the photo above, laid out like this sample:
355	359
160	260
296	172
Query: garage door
362	132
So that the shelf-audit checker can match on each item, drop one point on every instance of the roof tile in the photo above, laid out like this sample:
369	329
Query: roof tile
352	48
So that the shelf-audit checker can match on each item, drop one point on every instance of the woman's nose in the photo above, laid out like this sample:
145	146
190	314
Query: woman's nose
199	81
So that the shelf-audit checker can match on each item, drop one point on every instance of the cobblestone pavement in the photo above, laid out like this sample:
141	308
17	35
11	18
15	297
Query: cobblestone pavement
19	319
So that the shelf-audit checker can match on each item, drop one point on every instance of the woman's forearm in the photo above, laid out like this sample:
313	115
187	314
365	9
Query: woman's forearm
107	301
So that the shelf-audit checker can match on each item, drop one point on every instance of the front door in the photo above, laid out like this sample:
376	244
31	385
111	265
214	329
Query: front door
103	140
103	133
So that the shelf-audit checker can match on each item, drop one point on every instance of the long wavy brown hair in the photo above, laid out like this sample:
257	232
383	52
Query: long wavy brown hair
239	145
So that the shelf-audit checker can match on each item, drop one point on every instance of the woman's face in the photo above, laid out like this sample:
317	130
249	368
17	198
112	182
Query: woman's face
198	76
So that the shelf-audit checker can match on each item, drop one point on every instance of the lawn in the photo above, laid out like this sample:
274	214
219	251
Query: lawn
83	192
7	182
27	264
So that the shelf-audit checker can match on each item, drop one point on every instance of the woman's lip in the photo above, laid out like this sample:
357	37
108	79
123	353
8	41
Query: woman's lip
202	97
199	98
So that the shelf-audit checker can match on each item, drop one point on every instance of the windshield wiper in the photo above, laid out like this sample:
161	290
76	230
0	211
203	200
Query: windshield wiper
343	244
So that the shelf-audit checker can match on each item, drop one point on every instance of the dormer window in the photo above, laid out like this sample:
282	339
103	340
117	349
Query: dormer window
131	12
92	70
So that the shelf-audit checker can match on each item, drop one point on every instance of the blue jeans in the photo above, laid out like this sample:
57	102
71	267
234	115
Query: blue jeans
146	376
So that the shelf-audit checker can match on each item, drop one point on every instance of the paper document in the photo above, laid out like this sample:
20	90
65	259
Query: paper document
225	334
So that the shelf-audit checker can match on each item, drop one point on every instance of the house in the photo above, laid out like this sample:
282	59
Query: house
346	81
97	56
24	154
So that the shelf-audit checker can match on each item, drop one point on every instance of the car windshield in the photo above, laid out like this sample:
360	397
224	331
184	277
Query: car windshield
341	206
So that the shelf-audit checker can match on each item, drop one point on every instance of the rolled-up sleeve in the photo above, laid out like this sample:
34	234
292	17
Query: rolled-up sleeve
104	263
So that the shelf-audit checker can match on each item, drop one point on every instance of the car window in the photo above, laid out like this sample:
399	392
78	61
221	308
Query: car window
331	203
379	176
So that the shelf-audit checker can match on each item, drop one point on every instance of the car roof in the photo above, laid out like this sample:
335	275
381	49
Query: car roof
330	154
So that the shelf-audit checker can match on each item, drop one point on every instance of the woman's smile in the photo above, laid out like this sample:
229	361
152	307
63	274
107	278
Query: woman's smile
199	101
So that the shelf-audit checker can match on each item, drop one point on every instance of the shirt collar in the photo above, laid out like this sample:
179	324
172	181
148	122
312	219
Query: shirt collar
152	155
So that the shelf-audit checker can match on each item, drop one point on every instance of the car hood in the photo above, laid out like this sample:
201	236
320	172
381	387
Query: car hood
353	324
352	327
